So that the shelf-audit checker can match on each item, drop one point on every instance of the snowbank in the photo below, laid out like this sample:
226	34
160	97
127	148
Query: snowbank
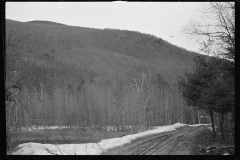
39	128
196	125
89	148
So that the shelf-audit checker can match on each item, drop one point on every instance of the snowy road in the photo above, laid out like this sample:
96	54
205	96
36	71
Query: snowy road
178	142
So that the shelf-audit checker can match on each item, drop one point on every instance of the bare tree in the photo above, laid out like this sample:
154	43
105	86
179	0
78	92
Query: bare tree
216	29
143	94
118	92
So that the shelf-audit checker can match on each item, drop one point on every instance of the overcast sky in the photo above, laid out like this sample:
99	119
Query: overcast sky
162	19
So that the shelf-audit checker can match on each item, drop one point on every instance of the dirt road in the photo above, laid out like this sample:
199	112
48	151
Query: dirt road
178	142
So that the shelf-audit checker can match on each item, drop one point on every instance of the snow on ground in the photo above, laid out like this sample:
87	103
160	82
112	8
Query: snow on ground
32	128
39	128
89	148
210	128
196	125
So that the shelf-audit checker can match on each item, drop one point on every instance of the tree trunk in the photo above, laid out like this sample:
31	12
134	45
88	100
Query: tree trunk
166	107
199	121
229	123
123	120
221	124
213	127
8	138
181	110
233	123
193	117
8	135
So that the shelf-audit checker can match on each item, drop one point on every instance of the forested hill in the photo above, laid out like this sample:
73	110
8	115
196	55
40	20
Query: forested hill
103	52
81	76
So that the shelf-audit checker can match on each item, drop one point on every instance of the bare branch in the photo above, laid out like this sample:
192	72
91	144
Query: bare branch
217	24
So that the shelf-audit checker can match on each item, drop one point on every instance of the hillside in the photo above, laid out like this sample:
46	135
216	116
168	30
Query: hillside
104	52
85	77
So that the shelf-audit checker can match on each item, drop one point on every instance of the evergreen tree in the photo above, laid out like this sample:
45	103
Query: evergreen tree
209	87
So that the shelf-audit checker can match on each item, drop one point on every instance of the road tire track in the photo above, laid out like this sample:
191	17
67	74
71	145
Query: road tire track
150	144
168	143
174	142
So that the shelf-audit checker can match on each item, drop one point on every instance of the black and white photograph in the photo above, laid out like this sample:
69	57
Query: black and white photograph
119	78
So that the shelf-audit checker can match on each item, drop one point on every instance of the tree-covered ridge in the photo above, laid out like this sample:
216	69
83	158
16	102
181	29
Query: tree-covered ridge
111	50
54	91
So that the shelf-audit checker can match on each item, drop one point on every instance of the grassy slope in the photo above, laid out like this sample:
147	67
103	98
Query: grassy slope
105	52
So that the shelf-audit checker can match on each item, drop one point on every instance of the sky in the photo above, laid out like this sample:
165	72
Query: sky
162	19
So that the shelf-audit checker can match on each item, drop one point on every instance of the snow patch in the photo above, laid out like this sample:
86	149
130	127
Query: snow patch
39	128
226	154
210	128
196	125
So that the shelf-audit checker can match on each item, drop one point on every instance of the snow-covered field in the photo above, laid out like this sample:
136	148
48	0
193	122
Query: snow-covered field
89	148
38	128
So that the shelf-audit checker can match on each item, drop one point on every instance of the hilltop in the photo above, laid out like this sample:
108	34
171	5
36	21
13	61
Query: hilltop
45	22
104	52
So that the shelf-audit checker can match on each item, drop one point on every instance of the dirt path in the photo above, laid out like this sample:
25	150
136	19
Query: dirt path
179	142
